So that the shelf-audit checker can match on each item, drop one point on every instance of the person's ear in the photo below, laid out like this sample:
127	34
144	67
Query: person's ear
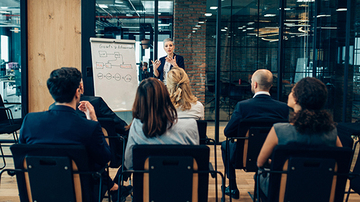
256	84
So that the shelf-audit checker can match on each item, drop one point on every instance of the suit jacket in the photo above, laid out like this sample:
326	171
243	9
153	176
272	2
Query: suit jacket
102	110
62	125
261	106
179	62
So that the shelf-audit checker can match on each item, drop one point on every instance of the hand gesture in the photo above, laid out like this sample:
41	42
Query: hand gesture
88	109
156	64
172	61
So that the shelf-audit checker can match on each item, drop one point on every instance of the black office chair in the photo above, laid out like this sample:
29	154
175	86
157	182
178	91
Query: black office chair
170	173
54	173
354	176
304	173
251	136
116	142
8	125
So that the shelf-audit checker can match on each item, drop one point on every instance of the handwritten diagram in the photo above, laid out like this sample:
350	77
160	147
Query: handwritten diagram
117	62
117	77
114	71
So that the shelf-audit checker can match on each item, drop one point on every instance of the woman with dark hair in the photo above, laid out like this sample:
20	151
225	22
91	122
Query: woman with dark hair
155	120
309	124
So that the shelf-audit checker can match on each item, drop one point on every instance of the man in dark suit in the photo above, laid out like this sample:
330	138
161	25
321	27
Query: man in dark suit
104	114
62	125
261	106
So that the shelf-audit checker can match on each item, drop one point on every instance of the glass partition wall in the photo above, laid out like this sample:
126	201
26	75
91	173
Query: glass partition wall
10	56
292	38
314	41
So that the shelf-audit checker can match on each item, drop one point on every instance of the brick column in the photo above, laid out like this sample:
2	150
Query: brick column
191	45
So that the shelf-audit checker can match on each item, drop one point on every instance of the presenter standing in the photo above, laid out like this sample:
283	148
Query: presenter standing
164	64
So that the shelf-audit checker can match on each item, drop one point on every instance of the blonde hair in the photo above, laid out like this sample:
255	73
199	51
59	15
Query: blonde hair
178	85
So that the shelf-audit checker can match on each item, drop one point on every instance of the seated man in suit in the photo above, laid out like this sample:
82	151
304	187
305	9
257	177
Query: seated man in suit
102	110
62	125
261	106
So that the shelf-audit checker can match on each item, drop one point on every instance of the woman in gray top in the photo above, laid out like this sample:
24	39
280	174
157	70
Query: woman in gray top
155	120
309	123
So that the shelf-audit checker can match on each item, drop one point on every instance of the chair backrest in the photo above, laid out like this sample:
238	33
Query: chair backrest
116	145
48	172
255	131
313	173
202	125
3	115
171	174
246	124
252	146
355	182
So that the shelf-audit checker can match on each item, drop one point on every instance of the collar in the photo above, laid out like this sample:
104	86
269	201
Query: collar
61	107
261	93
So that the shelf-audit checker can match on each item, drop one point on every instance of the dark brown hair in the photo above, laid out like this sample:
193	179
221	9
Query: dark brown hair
311	94
153	107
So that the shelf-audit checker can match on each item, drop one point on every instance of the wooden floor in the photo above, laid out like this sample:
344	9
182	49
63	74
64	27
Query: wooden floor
245	181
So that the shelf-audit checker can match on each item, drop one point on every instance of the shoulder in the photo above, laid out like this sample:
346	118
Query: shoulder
284	130
197	104
185	124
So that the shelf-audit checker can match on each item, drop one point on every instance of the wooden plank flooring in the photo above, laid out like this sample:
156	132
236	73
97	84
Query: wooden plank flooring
9	193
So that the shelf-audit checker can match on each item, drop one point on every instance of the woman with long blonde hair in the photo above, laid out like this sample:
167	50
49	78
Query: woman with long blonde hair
186	104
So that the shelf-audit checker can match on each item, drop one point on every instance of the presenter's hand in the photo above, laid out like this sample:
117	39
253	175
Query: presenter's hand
88	109
172	61
156	65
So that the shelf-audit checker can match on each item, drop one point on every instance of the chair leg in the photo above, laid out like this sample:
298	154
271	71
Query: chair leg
3	157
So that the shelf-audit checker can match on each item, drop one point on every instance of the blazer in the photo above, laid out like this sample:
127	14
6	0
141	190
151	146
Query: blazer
261	106
179	62
62	125
102	110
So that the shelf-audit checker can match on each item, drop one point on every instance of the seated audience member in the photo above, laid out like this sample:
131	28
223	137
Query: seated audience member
186	104
261	106
309	123
102	110
62	125
155	120
144	73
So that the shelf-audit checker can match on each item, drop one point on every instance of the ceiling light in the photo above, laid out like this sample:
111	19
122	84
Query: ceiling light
103	6
193	31
328	27
201	22
250	28
213	7
323	16
223	30
250	23
270	15
341	9
195	28
208	14
305	0
197	25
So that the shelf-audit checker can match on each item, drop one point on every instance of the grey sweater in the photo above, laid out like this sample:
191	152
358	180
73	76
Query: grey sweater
184	131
